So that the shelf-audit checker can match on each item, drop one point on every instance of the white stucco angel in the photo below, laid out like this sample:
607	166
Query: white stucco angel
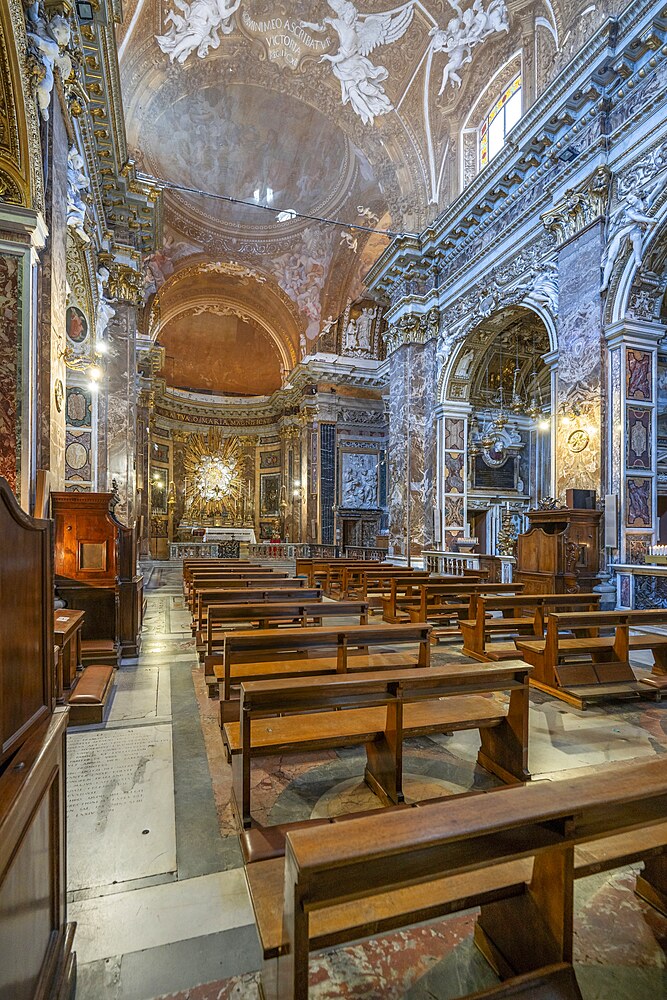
358	35
630	221
350	241
196	27
463	32
104	310
48	41
76	183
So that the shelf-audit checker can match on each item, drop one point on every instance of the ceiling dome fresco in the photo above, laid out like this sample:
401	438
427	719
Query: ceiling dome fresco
250	143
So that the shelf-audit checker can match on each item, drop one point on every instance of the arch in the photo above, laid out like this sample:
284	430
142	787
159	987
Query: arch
448	377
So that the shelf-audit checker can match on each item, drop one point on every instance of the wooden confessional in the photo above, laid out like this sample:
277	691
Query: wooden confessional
96	570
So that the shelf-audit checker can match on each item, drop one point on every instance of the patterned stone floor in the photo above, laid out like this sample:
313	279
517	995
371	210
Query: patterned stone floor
619	941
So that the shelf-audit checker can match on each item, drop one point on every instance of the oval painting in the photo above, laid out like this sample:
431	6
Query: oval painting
76	325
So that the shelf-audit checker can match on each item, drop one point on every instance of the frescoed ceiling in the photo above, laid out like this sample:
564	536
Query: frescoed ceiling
325	109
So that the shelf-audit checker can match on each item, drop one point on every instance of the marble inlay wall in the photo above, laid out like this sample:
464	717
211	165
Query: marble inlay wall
122	409
412	395
10	371
579	377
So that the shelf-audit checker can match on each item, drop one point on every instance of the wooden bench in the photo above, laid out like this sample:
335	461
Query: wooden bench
88	701
578	670
380	709
334	572
228	579
364	583
514	857
274	653
524	614
444	604
264	594
223	618
316	568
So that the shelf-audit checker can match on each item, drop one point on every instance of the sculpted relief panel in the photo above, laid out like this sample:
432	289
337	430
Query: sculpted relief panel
359	484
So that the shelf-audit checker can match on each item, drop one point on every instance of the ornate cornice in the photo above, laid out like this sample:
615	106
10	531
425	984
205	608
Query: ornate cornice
580	207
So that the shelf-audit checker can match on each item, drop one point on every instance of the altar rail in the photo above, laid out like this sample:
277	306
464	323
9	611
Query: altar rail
454	563
295	550
205	550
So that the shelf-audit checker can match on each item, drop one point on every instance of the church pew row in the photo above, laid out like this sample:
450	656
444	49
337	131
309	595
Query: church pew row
228	593
364	583
581	669
409	599
522	615
191	565
336	573
222	619
443	609
227	580
516	857
315	569
337	649
379	709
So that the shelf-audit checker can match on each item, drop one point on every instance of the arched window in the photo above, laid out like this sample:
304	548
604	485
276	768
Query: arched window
502	117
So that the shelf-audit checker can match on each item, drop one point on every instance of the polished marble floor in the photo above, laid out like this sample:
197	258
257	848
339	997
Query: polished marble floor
155	877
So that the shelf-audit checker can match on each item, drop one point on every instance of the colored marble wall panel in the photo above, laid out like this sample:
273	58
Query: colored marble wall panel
454	470
638	451
454	512
638	502
625	596
454	433
10	372
79	407
650	592
638	379
269	459
78	465
637	547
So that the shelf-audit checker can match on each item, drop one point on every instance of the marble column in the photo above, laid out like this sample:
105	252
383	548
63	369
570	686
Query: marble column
412	449
122	409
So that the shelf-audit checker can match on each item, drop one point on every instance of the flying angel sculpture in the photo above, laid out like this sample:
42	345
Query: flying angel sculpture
358	35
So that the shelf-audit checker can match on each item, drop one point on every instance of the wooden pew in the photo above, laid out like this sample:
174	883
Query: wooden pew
262	582
444	604
277	653
517	858
316	568
365	582
524	614
578	670
225	618
201	581
259	593
380	709
334	573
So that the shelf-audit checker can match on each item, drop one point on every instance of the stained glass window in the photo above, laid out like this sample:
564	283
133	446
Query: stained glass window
504	114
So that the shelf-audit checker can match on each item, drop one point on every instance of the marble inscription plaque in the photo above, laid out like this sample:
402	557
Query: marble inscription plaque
120	810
